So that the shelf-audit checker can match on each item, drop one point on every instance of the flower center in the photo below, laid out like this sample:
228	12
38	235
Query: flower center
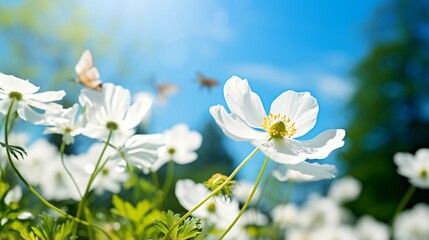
112	126
423	173
171	151
68	130
278	126
16	95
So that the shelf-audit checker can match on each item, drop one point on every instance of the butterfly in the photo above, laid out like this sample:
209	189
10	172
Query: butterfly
207	82
164	90
87	73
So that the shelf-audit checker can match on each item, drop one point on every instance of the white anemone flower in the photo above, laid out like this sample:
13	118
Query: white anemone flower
180	146
25	97
64	122
285	215
415	168
140	150
242	190
345	189
218	210
111	110
291	116
412	224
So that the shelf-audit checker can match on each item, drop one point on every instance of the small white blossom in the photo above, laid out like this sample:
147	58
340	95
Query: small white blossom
64	122
25	97
291	116
415	168
180	146
285	215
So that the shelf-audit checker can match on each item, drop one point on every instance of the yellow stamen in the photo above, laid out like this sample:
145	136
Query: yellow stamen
278	126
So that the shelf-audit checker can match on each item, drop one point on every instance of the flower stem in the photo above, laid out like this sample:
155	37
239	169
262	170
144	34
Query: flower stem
261	173
168	181
91	179
212	193
405	199
31	189
155	180
62	147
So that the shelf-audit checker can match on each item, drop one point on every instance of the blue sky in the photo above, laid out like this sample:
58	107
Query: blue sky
277	45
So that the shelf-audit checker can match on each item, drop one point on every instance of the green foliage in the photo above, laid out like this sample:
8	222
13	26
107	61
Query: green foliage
11	220
188	229
49	229
15	150
137	222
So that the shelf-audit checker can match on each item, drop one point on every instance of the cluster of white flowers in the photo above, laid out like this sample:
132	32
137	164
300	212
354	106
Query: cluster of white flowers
325	217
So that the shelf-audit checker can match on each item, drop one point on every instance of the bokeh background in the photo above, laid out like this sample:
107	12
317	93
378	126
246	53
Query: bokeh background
366	62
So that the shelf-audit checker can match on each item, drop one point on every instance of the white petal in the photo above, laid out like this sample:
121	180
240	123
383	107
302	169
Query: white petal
301	108
47	96
405	163
184	157
137	112
11	83
322	145
280	151
28	114
423	153
243	102
4	105
318	171
233	126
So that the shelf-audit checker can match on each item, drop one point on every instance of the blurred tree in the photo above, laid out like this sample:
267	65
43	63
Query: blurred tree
390	108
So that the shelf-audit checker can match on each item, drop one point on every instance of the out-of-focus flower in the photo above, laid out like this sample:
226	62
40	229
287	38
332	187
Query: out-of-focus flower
140	150
218	210
370	229
43	168
111	110
412	224
320	212
283	173
180	146
25	98
64	122
291	116
415	168
242	190
345	189
110	177
13	195
285	215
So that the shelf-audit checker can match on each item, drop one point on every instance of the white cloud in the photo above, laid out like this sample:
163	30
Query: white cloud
334	87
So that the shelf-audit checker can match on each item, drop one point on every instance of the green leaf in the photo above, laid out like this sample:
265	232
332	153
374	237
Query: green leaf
14	150
189	228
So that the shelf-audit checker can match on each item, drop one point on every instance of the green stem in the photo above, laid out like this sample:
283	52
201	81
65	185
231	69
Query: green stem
31	189
405	199
168	181
212	193
88	186
261	173
62	147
